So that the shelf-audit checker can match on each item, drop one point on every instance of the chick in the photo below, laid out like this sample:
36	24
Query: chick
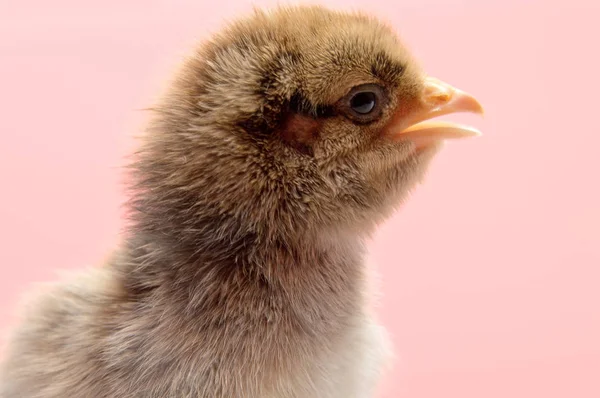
280	146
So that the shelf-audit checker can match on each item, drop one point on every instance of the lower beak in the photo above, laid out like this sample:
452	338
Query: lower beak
437	99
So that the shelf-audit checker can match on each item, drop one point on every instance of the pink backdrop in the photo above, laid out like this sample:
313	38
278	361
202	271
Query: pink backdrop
491	271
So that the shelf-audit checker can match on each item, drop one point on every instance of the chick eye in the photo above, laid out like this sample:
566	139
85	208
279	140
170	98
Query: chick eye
363	102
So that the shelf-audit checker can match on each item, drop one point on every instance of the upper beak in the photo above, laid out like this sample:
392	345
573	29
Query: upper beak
437	99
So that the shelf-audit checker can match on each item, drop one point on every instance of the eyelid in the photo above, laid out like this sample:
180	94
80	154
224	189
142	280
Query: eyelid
365	87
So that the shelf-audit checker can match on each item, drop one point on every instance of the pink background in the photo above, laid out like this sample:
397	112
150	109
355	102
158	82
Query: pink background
491	272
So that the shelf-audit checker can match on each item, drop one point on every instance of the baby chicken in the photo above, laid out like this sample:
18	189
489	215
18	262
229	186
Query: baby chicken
280	146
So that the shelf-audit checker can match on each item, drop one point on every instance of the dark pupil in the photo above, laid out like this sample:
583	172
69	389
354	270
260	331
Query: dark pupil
363	102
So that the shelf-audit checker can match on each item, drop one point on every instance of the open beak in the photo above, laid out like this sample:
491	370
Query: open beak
437	99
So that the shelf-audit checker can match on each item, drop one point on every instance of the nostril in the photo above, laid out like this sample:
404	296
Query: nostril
440	97
436	92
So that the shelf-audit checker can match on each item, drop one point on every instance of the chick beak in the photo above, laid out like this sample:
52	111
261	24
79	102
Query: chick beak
437	99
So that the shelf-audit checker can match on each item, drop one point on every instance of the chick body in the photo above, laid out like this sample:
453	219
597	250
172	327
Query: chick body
266	168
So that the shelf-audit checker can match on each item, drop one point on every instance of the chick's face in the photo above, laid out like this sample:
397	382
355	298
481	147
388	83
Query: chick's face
316	117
